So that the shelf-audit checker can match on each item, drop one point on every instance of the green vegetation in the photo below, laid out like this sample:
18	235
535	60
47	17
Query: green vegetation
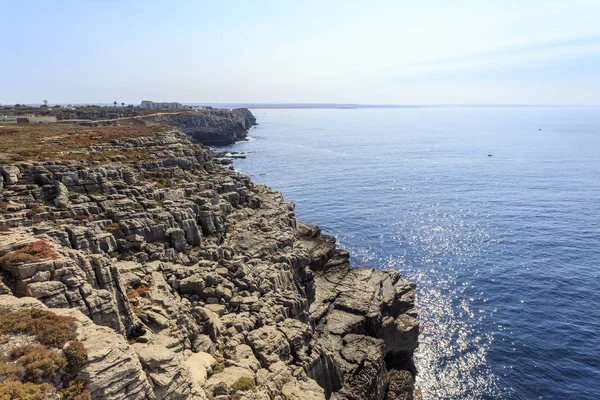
39	362
219	367
75	354
30	368
75	391
16	390
243	384
49	329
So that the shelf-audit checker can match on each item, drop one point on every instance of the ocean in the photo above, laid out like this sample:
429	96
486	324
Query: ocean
492	211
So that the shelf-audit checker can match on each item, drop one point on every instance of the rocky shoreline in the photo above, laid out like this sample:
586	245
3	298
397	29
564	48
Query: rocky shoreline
188	281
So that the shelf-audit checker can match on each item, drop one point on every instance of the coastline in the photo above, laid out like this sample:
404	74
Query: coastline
234	286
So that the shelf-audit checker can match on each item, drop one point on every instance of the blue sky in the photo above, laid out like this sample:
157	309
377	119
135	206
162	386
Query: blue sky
378	52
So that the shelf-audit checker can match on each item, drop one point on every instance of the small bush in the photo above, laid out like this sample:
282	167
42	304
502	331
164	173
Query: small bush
39	362
3	205
11	370
12	389
34	251
81	217
50	329
75	354
219	367
4	228
75	391
242	384
141	291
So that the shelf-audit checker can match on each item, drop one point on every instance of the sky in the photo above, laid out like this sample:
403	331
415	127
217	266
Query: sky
366	52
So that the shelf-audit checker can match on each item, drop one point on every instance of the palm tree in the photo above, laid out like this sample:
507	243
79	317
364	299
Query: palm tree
115	103
122	104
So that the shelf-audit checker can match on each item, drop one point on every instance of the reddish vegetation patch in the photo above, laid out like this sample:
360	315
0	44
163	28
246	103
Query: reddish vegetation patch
81	217
141	291
39	362
42	142
34	251
4	228
3	205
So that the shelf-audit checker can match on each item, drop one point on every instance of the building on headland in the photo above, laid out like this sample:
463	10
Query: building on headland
161	105
27	119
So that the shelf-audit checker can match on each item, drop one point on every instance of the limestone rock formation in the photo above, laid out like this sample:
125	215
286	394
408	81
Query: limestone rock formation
210	127
189	281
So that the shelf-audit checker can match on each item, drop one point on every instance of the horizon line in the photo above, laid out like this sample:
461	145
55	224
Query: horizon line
326	105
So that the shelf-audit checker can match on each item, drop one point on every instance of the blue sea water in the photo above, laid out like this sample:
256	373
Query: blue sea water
504	249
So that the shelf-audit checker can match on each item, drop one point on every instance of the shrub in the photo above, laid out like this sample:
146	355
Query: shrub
136	310
141	291
34	251
4	228
75	391
3	205
39	362
53	330
10	370
81	217
219	367
49	328
75	354
11	389
242	384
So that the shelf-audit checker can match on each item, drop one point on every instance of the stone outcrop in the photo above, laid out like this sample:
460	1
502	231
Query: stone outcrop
190	282
210	127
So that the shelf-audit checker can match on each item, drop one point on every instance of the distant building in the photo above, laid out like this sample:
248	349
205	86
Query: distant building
161	105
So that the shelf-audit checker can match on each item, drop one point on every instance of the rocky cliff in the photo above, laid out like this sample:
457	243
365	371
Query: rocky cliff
184	280
209	127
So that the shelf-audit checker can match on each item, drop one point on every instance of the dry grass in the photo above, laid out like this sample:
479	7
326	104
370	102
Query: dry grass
43	142
112	227
141	291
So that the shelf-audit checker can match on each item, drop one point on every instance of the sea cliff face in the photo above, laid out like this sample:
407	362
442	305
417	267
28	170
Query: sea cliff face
209	127
186	280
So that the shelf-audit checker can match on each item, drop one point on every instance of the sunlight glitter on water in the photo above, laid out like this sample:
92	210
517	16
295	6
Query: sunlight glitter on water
437	247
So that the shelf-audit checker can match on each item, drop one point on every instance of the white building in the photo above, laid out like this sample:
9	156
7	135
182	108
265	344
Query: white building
161	105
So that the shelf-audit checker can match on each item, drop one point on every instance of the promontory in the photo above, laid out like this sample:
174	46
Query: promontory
132	266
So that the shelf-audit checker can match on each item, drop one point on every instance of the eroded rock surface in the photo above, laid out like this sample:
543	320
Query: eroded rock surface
189	281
